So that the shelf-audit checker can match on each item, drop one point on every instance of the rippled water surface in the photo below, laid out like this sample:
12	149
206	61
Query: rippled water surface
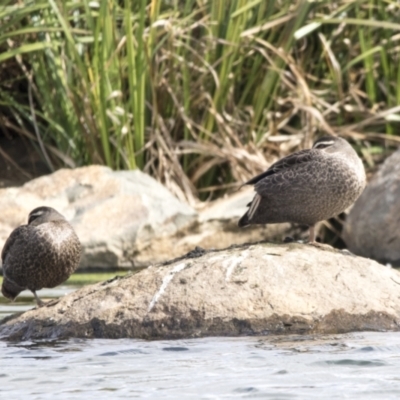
353	366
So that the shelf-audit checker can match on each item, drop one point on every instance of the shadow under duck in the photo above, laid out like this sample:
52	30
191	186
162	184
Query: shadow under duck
41	254
307	186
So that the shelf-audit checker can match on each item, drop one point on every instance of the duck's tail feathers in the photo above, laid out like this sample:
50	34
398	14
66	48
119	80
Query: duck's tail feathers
246	219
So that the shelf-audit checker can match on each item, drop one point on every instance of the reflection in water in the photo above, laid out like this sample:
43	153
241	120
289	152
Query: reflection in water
355	366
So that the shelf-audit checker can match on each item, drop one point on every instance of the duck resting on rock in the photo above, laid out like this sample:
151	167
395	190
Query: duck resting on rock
307	186
41	254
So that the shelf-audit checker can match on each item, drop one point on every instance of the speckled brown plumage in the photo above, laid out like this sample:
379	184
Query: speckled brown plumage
307	186
42	254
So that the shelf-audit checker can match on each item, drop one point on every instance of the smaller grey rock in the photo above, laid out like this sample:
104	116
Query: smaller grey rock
372	228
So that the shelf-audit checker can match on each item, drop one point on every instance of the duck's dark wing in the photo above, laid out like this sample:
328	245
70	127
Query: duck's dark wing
14	236
292	160
291	174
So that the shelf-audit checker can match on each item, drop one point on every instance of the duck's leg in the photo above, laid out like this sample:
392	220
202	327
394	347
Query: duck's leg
39	302
311	238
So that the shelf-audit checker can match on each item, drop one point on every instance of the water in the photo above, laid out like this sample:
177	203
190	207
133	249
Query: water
353	366
25	300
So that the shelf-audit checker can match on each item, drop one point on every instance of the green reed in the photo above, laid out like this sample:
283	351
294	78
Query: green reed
194	91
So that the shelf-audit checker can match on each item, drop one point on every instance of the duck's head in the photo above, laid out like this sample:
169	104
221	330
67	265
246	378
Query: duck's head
44	214
332	144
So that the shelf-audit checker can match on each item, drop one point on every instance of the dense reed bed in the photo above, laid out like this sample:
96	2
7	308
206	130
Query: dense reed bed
200	94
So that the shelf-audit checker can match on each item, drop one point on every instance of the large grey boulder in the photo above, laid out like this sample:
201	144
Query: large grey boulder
115	213
126	219
372	228
261	289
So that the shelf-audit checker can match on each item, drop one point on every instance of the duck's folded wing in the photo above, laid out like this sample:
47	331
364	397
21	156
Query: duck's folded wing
291	161
289	174
14	236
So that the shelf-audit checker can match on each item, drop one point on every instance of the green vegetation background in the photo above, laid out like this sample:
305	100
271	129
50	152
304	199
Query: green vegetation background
201	94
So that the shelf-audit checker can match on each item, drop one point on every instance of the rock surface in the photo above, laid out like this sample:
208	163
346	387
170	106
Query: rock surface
372	227
113	213
216	228
126	219
256	290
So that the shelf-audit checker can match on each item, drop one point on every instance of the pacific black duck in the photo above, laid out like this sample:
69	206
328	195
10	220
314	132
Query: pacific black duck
307	186
41	254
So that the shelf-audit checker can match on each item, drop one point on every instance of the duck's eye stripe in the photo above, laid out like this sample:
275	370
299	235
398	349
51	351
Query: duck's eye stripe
324	144
37	214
